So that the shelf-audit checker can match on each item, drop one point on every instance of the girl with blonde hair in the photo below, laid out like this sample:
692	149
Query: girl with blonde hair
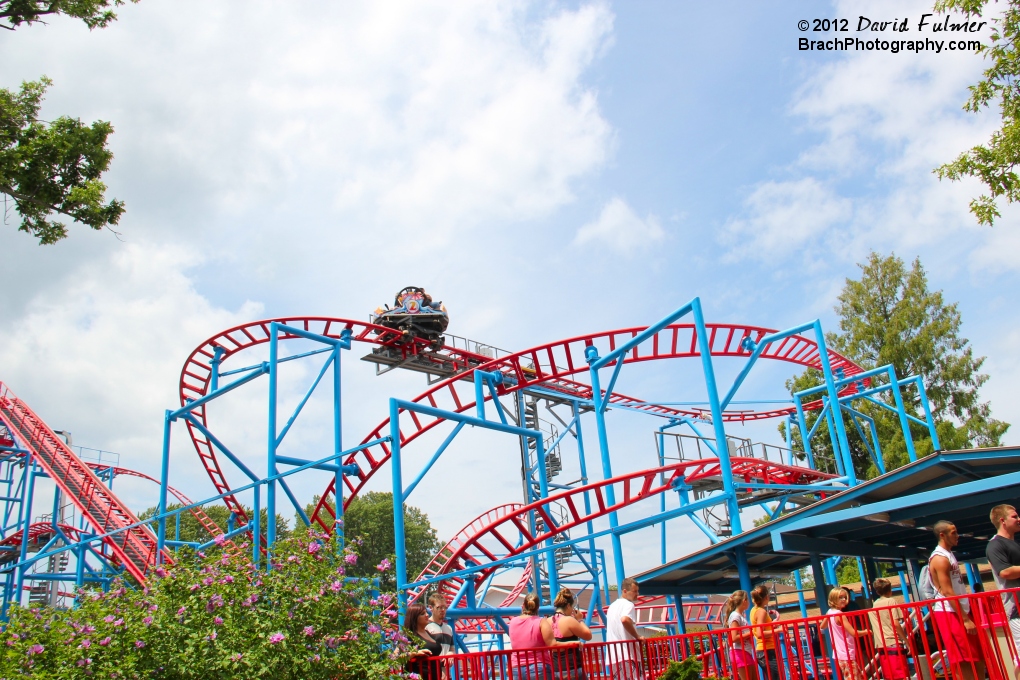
844	635
741	638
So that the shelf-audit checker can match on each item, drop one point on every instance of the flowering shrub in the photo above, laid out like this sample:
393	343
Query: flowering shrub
217	617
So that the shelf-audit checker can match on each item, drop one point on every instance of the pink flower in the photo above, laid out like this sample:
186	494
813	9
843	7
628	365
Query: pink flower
336	586
207	581
109	619
220	540
35	649
217	621
118	622
212	636
161	572
236	657
180	612
105	641
85	644
147	620
276	637
309	630
194	587
384	565
83	662
228	579
314	548
139	644
351	558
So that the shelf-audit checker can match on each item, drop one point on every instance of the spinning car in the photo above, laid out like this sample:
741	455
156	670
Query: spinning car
415	315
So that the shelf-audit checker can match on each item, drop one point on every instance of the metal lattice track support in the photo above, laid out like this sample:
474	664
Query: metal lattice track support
134	548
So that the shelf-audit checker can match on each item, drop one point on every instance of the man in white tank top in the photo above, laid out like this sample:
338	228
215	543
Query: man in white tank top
952	618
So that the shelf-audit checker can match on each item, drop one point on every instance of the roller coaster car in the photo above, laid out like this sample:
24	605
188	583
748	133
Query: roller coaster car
415	315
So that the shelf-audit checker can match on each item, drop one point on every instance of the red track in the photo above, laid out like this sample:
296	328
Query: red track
134	548
39	529
511	530
550	365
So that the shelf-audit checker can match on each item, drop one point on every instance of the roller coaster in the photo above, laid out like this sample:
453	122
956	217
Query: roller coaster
544	402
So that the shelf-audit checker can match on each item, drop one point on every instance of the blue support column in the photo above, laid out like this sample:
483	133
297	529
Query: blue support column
799	582
579	437
927	414
740	557
821	590
902	412
164	482
904	590
25	524
681	620
256	546
607	466
841	444
214	364
398	507
271	469
722	448
338	476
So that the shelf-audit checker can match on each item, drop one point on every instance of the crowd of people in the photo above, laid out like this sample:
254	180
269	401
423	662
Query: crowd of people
549	647
752	649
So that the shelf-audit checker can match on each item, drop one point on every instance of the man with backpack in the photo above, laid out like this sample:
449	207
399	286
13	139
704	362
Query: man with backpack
953	621
1003	553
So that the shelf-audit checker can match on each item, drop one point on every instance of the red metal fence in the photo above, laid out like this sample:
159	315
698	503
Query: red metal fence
968	637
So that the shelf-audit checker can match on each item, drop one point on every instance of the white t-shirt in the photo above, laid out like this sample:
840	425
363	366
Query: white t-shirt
615	632
441	634
955	578
738	620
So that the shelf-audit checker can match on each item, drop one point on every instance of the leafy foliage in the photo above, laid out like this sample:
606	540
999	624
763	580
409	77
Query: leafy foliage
95	13
191	530
688	669
368	520
995	162
53	167
218	617
890	316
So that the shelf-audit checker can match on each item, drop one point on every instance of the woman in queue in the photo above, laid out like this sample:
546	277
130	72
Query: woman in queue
416	618
568	627
763	632
741	638
529	633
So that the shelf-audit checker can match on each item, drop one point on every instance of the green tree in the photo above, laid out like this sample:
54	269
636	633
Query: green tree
95	13
54	168
889	316
192	530
993	163
368	521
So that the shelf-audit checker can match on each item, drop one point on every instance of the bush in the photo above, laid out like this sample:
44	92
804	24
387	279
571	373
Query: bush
217	617
688	669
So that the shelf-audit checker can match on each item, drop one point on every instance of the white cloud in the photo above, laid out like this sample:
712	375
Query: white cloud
100	353
619	227
887	120
292	146
783	217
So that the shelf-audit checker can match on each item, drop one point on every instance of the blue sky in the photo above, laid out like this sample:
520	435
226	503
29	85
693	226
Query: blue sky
547	169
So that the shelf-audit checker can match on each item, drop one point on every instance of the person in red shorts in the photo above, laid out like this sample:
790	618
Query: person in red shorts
953	621
888	632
